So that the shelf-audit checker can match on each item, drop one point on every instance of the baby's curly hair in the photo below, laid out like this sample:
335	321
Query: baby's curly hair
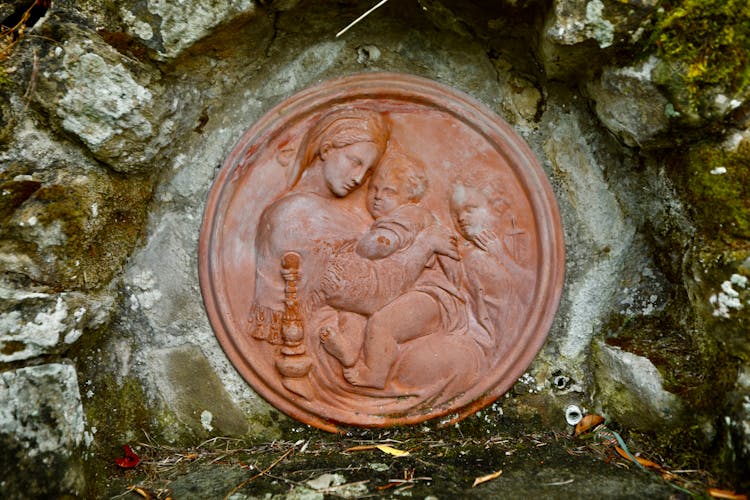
409	172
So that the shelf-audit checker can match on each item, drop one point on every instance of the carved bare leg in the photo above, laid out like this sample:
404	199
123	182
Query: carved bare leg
411	316
375	375
338	346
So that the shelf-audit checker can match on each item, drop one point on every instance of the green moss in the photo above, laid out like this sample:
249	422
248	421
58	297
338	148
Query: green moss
5	80
686	357
99	217
721	201
696	366
715	263
709	40
119	412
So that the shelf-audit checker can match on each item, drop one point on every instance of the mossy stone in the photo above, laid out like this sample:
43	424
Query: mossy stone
718	188
707	45
75	225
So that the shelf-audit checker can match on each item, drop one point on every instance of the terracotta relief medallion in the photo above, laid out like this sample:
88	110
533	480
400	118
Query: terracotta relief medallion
381	250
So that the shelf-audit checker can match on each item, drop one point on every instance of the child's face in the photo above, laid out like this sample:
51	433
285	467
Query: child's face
385	194
470	210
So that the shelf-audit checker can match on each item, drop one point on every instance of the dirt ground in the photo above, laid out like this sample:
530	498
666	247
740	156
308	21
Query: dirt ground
402	463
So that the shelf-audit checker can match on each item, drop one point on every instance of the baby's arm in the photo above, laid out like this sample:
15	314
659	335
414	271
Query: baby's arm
379	242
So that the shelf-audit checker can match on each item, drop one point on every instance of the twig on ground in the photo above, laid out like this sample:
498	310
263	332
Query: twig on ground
246	481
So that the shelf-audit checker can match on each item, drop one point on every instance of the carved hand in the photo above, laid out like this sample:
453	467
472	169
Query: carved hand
488	241
442	240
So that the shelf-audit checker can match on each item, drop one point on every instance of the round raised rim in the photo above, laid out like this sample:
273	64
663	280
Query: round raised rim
410	89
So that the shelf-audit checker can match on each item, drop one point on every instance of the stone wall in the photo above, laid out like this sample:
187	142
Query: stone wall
115	117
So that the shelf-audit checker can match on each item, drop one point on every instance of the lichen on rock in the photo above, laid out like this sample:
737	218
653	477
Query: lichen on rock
69	226
704	45
33	324
41	422
634	390
178	26
577	32
111	103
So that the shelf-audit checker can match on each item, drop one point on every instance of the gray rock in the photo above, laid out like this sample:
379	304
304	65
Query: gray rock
34	324
574	21
633	391
60	227
111	103
599	233
630	105
521	99
576	31
196	395
42	428
171	27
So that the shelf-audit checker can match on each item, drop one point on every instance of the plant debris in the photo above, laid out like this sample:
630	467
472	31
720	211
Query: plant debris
440	463
488	477
382	447
130	459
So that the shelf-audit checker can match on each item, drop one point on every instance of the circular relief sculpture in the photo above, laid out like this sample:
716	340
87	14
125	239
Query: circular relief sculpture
381	250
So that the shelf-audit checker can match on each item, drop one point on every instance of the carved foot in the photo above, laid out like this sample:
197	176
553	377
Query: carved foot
362	376
338	346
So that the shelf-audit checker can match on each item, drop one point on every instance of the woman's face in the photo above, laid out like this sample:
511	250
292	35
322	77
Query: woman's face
471	211
346	167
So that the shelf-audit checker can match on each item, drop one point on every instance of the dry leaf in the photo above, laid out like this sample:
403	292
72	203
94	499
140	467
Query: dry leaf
141	491
731	495
644	462
382	447
361	447
488	477
392	451
588	422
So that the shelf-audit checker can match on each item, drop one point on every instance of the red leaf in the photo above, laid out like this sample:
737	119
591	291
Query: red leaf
130	460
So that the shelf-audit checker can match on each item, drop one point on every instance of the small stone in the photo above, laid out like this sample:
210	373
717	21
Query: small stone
641	402
625	100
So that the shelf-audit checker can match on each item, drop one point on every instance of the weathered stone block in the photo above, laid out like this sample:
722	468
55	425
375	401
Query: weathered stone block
68	226
630	105
111	103
42	427
576	32
172	27
632	390
192	390
33	324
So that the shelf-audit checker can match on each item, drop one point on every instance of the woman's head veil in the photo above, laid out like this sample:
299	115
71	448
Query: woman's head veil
339	128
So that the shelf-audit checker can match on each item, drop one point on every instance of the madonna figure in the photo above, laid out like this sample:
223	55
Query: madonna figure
339	288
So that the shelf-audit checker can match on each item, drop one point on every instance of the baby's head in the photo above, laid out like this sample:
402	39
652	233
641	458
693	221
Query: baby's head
398	180
475	209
